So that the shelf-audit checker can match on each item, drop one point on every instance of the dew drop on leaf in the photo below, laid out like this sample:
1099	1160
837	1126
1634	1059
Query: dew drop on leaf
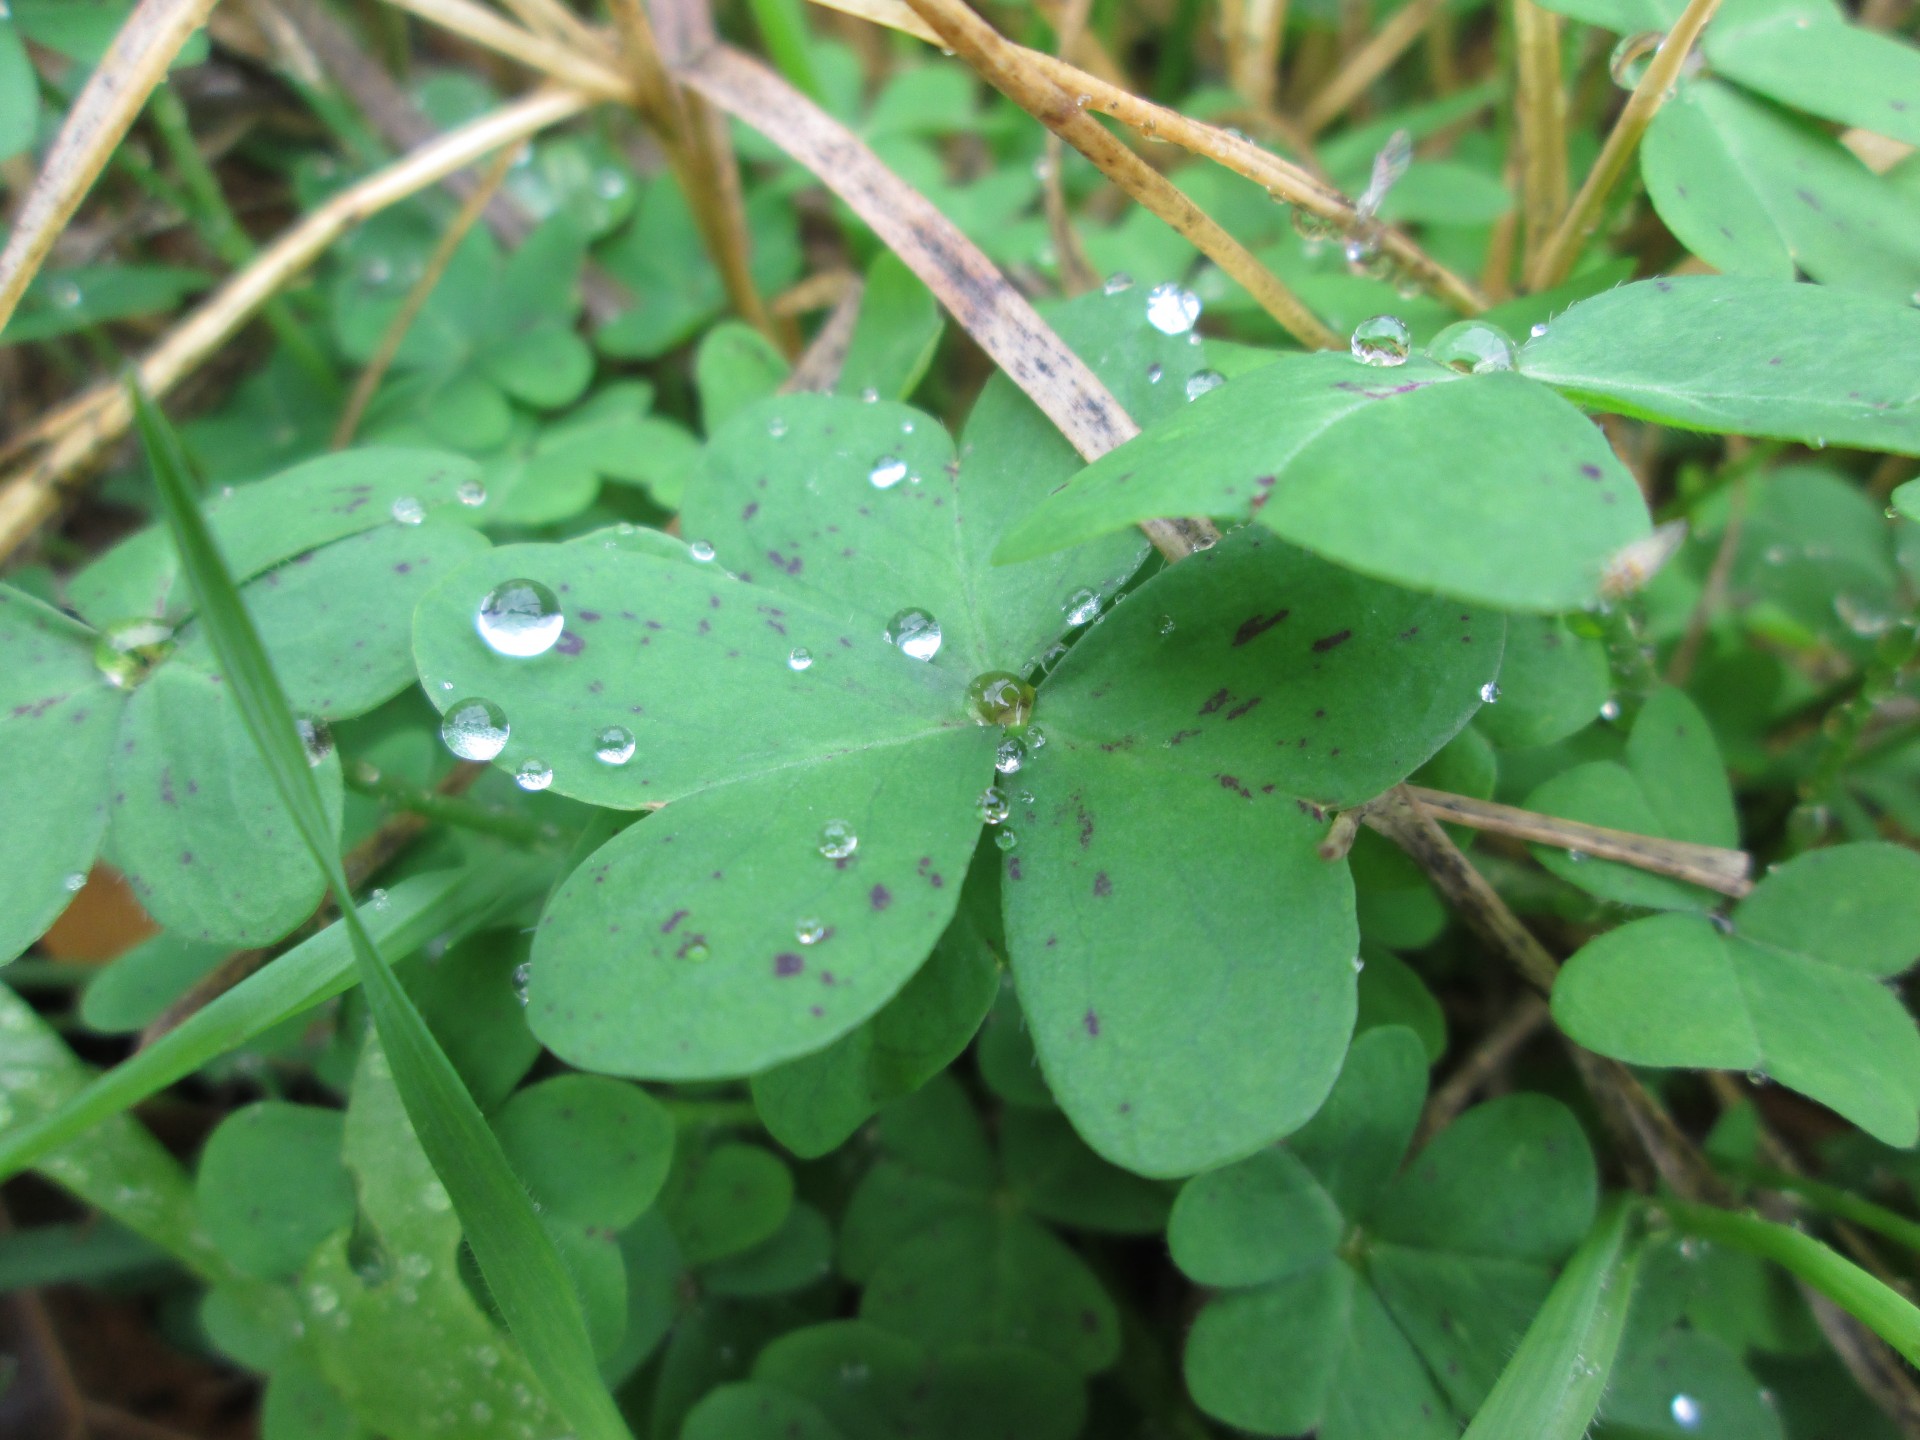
1154	372
613	745
1005	838
999	697
65	294
1166	625
1009	756
408	511
915	633
522	980
887	472
776	427
520	618
1685	1411
1171	310
128	650
1538	332
869	396
75	882
1489	693
1035	738
1118	283
799	658
533	775
316	738
471	492
809	931
700	550
993	806
1630	57
838	840
1473	347
1082	607
1201	381
1610	709
1382	340
475	729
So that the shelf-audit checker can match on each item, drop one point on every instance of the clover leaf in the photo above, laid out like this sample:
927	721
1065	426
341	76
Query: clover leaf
824	787
1357	1302
1791	986
130	701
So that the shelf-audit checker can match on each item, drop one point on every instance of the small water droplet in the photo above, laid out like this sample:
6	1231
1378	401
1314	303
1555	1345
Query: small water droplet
1009	756
1005	838
838	840
1537	332
870	396
1000	697
75	882
520	618
777	427
1082	607
1201	381
533	775
1489	693
1630	57
316	738
1166	625
1686	1412
993	805
612	746
701	551
408	511
475	729
610	185
1171	310
1610	709
1578	857
322	1300
522	980
1120	281
379	900
1035	738
471	493
915	633
887	472
1473	347
809	931
1358	964
1381	340
128	650
1862	617
65	294
799	658
1154	372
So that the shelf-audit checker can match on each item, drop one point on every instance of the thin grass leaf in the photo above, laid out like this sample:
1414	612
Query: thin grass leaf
521	1266
1552	1386
1878	1306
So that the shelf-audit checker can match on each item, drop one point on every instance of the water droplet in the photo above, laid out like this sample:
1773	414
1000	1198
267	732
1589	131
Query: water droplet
1473	347
316	738
1861	617
993	805
434	1197
1630	57
1381	340
65	294
915	633
810	931
1000	697
1166	625
1036	740
838	840
701	551
869	396
1120	281
1578	857
1082	607
1610	709
906	427
379	900
1009	756
887	472
522	980
322	1299
520	618
612	746
1171	310
75	882
1358	964
799	658
417	1266
533	775
1154	372
853	1372
481	1411
1537	332
610	185
776	427
1201	381
408	511
475	729
1005	838
377	272
1489	693
1314	229
128	650
471	492
1686	1412
487	1356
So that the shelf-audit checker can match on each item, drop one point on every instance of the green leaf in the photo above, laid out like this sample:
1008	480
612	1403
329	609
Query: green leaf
132	990
874	1386
734	366
1263	1219
1060	1180
727	1201
1805	54
591	1150
469	996
1752	191
1553	1385
757	1412
1482	487
61	302
271	1186
1793	988
1672	784
300	1405
797	1255
1272	692
1553	681
1747	356
1392	993
898	328
523	1271
1906	500
1701	1376
19	94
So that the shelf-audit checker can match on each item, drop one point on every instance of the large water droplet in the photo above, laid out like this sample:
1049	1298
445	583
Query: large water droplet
799	658
1201	381
520	618
993	805
533	775
1000	697
475	729
471	492
408	511
838	839
316	738
887	472
1082	607
128	650
1009	756
1489	692
700	550
613	745
1685	1411
915	632
1382	340
1473	347
1120	281
1171	310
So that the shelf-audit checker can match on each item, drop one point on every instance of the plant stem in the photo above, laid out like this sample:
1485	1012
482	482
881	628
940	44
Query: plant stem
1812	817
442	805
1540	123
1833	1200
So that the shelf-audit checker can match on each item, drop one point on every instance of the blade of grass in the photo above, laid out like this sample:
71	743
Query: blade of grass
1552	1386
1834	1201
522	1268
1875	1304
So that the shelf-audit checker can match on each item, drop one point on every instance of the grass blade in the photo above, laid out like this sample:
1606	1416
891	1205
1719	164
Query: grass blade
1553	1384
515	1254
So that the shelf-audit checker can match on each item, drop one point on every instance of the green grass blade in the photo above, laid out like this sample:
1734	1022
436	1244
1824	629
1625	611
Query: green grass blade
1878	1306
1553	1384
515	1254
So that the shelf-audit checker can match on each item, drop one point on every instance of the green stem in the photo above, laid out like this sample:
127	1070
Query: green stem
1876	1305
784	30
401	794
1832	1200
206	205
1807	826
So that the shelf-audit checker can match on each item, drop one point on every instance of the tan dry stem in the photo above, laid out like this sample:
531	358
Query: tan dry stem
1368	64
1540	125
557	61
135	62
